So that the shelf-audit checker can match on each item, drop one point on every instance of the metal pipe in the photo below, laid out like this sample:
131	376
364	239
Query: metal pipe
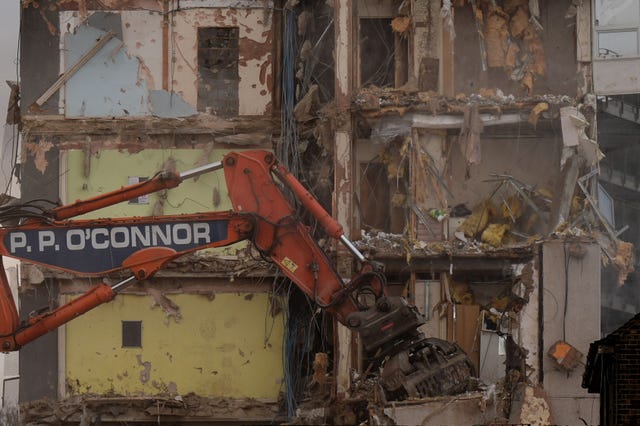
123	284
352	248
207	168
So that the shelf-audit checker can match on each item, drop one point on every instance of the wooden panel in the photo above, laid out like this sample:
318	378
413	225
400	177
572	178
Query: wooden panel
467	330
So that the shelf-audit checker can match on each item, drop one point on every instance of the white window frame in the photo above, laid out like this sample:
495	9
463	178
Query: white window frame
601	29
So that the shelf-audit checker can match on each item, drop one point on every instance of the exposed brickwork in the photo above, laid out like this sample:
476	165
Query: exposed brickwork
626	345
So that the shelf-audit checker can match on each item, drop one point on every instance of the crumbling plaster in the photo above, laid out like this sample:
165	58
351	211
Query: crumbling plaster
113	82
255	50
529	318
217	348
142	35
107	85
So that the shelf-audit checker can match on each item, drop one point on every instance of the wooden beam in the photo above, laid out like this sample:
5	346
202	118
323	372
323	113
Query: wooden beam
74	68
561	204
583	32
447	59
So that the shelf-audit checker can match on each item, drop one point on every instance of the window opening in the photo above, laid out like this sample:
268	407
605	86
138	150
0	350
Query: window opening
382	54
218	77
131	334
617	28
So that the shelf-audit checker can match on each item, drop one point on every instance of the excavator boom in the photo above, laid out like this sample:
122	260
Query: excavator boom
261	214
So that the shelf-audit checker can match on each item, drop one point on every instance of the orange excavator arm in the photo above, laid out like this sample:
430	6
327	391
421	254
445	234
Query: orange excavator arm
143	245
387	326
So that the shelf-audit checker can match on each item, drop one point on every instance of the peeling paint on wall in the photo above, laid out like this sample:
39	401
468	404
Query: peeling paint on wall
255	52
168	306
142	32
169	105
145	373
110	83
213	351
39	151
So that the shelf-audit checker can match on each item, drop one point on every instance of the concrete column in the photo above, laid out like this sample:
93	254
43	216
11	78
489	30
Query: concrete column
571	299
343	165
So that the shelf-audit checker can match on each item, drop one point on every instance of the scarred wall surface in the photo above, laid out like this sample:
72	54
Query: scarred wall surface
122	78
208	193
255	51
107	85
224	345
217	348
571	273
193	195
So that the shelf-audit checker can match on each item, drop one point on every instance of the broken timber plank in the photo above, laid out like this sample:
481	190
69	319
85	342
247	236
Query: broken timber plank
561	204
74	68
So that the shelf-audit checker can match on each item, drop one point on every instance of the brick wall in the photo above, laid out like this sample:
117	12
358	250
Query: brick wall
627	354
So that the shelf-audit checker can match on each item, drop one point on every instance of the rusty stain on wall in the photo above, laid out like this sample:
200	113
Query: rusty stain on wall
254	60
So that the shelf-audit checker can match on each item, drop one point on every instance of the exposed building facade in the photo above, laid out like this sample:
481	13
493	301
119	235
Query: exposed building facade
455	141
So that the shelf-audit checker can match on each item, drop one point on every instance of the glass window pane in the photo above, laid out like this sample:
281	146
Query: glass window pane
618	12
614	44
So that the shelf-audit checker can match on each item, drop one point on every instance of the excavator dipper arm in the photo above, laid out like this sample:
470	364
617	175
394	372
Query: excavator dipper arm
262	214
143	245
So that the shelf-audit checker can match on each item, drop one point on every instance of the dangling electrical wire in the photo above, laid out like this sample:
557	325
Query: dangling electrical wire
287	150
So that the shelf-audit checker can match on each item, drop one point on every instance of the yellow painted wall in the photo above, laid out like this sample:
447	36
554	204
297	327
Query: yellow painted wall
217	349
110	169
228	347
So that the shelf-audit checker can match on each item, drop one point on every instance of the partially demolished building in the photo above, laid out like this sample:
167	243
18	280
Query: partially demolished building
456	141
